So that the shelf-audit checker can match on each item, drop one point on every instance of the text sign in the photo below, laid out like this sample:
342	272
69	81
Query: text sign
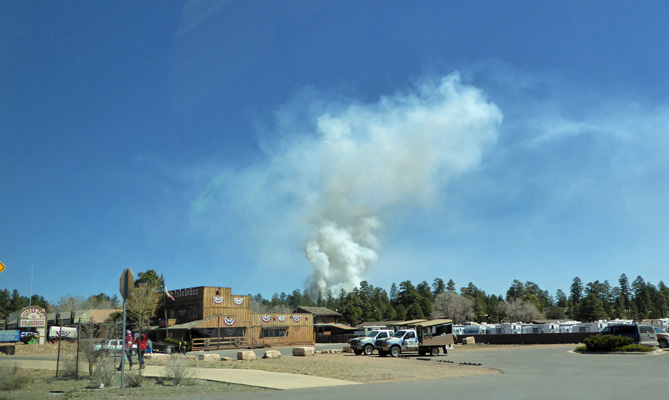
32	317
127	283
10	336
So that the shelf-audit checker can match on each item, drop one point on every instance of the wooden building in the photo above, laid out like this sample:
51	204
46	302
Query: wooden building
213	317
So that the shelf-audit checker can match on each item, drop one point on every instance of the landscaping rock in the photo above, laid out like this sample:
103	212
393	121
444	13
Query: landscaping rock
226	359
303	351
468	340
209	357
160	357
272	354
246	355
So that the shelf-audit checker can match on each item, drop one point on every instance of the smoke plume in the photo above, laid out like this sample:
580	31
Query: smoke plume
368	160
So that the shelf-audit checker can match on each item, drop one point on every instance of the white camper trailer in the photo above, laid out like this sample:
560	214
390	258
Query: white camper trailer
62	332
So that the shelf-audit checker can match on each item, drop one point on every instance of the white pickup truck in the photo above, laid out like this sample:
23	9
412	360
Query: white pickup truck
113	345
423	337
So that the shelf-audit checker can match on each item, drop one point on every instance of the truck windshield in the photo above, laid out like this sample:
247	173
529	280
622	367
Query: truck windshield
372	334
399	334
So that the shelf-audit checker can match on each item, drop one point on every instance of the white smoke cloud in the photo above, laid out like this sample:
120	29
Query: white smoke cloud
367	160
341	170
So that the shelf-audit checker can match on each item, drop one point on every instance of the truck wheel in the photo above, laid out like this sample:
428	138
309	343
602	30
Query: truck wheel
663	344
434	351
368	350
395	351
357	352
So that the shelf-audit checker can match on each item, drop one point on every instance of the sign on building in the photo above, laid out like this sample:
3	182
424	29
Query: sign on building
10	336
32	317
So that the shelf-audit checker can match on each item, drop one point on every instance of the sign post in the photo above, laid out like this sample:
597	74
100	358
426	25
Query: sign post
127	284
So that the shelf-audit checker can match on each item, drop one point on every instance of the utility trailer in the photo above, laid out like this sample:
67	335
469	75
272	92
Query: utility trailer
421	336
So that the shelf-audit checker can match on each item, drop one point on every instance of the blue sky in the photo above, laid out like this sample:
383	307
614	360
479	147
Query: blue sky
271	146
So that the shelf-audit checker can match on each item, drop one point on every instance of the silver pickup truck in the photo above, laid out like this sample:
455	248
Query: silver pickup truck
365	345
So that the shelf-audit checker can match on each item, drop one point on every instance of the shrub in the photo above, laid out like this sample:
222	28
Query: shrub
104	372
635	348
606	343
10	377
178	370
134	380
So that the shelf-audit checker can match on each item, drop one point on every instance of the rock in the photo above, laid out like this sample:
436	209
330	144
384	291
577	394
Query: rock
347	349
209	357
468	340
226	358
303	351
160	357
246	355
272	354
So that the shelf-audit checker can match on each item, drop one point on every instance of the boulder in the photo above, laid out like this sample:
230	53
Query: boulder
159	357
246	355
468	340
303	351
226	358
272	354
347	349
209	357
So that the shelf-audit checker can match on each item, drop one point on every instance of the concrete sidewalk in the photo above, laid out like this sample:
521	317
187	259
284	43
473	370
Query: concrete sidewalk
264	379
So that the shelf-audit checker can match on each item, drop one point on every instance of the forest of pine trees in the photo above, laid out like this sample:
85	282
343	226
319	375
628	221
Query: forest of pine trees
522	302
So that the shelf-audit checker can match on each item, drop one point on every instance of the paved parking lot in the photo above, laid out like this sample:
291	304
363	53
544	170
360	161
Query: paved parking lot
532	372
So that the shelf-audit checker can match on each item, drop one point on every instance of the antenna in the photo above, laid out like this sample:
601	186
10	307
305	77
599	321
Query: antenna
30	301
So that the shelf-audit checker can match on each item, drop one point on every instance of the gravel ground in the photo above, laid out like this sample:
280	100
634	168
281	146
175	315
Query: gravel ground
347	366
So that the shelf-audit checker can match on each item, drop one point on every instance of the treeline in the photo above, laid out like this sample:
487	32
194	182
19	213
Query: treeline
12	302
522	302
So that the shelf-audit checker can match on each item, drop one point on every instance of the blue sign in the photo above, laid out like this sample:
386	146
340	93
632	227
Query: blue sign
10	336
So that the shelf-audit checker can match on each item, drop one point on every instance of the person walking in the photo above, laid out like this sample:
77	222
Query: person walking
140	340
149	346
128	350
182	346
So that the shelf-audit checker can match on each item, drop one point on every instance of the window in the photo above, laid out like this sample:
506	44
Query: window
382	335
193	312
273	332
411	335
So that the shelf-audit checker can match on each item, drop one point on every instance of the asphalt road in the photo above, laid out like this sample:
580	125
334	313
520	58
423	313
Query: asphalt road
533	373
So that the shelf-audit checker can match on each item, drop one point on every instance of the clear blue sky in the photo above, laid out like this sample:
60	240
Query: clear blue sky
268	146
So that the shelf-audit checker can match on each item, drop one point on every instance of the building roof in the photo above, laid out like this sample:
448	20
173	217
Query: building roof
191	324
318	311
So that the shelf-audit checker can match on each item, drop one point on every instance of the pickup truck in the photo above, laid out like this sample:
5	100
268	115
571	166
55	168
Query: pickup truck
421	337
365	345
113	345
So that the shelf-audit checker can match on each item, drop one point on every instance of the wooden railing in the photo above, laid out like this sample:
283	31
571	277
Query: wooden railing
218	343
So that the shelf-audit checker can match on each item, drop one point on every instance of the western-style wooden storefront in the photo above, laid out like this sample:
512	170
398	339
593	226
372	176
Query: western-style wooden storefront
213	317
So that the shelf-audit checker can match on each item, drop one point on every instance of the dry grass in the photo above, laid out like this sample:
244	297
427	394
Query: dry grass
354	368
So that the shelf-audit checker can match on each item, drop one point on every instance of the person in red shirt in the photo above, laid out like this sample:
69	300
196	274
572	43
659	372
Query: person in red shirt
140	341
128	350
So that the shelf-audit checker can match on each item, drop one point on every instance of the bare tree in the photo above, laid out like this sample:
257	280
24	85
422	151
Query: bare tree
520	310
454	306
143	302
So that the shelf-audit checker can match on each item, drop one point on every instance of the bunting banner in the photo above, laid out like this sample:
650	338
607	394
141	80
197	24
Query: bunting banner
218	300
266	318
182	312
229	321
282	318
238	300
297	318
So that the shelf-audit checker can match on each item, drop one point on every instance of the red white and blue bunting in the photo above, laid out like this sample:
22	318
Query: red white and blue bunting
281	318
266	318
229	321
218	300
238	300
297	318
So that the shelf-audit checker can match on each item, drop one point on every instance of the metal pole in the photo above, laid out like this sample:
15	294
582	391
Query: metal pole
124	352
60	333
78	340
